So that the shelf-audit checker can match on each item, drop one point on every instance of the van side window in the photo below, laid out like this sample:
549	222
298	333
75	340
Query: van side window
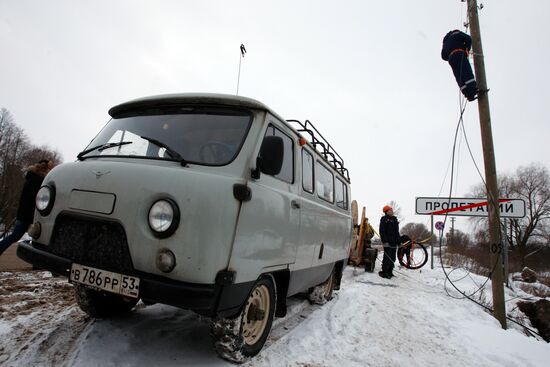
307	171
341	194
346	196
324	181
287	170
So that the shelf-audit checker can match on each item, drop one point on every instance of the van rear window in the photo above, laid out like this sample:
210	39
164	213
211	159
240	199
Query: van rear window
200	137
307	171
324	182
341	194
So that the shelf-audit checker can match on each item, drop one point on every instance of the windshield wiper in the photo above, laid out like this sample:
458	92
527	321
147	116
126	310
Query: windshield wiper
101	148
170	151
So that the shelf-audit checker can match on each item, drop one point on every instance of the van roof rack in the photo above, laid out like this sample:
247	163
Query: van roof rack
323	147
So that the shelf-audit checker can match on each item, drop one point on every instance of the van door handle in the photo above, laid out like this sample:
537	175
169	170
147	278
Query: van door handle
295	204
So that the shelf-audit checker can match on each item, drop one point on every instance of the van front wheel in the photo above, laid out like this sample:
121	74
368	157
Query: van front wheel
243	336
102	304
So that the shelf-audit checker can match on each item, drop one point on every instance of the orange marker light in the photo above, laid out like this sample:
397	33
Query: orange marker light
302	141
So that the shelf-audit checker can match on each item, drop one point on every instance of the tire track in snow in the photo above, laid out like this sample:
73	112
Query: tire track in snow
40	321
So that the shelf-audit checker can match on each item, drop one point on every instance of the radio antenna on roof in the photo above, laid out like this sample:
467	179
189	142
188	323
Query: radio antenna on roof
241	57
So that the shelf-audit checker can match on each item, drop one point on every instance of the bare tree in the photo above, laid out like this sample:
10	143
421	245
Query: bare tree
396	210
13	142
5	119
532	184
416	231
16	154
37	153
458	241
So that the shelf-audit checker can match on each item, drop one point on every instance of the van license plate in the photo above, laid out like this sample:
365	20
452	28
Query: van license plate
105	280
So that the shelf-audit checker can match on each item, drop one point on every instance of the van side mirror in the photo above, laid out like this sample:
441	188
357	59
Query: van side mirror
270	160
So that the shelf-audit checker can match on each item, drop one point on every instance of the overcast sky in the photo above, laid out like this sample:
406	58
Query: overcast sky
367	73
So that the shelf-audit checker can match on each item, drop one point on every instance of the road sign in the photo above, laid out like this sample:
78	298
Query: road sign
470	207
439	226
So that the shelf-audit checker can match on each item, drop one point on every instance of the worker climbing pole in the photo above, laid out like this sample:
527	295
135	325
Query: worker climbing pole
456	47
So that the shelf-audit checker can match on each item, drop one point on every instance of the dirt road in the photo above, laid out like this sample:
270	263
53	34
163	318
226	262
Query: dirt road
407	321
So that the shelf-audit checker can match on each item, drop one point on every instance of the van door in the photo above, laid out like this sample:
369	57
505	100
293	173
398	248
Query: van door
314	260
336	220
268	225
309	210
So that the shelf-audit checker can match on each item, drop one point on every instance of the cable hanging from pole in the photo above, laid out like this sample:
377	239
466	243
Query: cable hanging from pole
465	295
242	52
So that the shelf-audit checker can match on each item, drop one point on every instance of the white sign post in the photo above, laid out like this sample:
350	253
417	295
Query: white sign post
469	207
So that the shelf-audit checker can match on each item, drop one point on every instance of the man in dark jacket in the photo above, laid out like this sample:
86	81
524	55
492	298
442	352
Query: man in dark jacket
25	213
456	45
389	234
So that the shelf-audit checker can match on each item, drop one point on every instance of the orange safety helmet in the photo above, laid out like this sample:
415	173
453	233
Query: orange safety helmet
386	208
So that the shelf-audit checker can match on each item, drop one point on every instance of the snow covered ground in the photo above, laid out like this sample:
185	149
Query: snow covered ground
406	321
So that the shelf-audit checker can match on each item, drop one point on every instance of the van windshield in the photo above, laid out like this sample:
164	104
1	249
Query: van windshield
207	138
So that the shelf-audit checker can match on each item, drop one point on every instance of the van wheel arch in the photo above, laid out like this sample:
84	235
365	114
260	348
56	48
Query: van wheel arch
238	338
282	280
338	273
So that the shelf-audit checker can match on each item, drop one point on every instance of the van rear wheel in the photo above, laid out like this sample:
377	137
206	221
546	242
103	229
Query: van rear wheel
243	336
322	293
102	304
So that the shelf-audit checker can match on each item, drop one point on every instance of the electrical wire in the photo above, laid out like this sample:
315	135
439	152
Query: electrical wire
472	155
460	127
522	298
458	161
464	295
427	289
487	308
445	177
447	278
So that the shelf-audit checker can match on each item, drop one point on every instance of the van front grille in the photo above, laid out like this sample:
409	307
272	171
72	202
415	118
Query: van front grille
93	242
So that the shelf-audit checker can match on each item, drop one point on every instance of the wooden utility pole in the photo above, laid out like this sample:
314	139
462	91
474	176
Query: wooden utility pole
490	167
361	236
432	240
453	226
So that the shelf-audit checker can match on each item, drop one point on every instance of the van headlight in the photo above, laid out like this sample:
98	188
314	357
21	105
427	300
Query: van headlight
44	199
164	217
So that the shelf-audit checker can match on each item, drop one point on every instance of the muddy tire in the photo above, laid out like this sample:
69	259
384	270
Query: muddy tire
322	293
101	304
239	338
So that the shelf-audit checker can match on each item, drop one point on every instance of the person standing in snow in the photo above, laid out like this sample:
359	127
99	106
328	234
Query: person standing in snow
389	234
25	213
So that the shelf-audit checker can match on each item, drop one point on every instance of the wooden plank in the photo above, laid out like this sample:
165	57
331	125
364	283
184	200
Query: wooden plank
362	229
354	212
355	232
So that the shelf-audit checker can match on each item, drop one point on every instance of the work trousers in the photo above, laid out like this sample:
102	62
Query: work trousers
390	252
463	74
19	230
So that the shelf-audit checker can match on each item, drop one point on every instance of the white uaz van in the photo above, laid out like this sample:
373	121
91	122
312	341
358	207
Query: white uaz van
211	203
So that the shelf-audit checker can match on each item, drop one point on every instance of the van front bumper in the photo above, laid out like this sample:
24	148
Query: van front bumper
223	299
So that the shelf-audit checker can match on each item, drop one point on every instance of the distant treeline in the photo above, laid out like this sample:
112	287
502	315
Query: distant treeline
17	153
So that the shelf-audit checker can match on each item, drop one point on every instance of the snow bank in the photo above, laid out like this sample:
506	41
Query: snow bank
406	321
